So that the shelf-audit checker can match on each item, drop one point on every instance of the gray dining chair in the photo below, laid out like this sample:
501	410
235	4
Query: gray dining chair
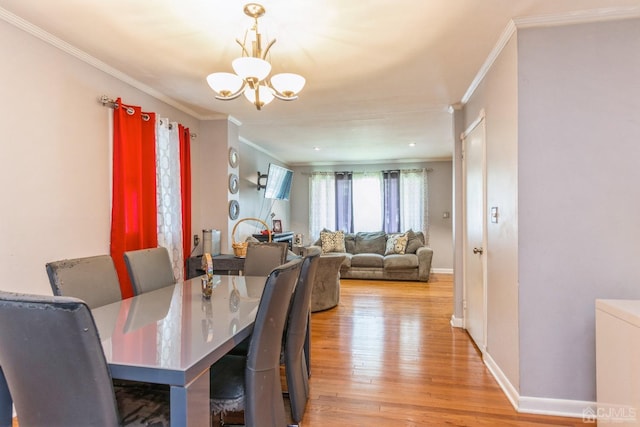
56	370
251	383
149	269
298	328
262	257
92	279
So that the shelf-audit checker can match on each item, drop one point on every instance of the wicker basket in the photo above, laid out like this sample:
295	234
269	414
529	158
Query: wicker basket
240	248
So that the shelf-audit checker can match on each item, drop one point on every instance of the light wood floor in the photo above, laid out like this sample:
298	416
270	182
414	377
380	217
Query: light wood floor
387	356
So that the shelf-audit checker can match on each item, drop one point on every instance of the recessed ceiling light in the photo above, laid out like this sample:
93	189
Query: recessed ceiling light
316	148
412	144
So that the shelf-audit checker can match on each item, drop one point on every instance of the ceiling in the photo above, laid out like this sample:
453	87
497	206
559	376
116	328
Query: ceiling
380	74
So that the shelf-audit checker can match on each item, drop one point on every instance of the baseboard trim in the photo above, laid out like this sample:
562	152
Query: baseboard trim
539	405
442	270
558	407
456	322
504	383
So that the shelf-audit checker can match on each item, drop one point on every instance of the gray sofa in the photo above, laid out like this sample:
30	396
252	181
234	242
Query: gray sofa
367	256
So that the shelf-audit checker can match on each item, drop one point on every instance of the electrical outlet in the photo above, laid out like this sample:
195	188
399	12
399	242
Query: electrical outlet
196	240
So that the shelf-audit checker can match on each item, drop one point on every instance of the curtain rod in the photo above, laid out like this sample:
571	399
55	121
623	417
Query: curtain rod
111	103
334	172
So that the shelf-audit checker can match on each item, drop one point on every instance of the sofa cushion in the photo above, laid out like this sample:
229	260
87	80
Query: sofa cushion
396	243
367	260
400	262
414	241
332	241
350	242
371	242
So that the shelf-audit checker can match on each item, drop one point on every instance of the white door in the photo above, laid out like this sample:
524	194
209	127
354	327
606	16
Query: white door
474	299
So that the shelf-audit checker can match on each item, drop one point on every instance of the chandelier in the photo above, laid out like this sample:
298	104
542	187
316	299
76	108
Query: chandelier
252	70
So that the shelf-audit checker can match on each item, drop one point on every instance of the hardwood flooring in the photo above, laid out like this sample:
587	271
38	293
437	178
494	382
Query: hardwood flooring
387	356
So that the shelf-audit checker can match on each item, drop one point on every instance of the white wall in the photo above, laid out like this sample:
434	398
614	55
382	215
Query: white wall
56	157
252	202
579	204
440	201
211	200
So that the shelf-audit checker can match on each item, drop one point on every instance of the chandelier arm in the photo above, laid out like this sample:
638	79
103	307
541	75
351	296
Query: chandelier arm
244	49
233	95
285	98
266	51
279	95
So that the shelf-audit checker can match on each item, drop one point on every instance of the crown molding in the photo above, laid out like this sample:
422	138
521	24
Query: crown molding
504	38
578	17
49	38
569	18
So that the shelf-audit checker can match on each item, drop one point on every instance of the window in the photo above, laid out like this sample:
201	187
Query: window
392	201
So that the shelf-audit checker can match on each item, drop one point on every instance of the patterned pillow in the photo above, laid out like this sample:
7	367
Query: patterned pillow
332	241
396	243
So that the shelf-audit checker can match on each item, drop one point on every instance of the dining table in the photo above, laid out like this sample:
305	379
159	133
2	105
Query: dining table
172	336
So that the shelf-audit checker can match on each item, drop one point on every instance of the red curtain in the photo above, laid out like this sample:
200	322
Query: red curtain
133	211
185	187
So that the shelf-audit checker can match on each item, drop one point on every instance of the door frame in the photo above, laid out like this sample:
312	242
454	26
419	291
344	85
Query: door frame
479	121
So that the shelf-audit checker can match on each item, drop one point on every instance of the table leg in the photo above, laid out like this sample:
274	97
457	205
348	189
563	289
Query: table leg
6	404
190	404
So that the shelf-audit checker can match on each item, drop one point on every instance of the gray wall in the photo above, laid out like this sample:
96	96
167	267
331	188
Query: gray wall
440	200
579	145
562	110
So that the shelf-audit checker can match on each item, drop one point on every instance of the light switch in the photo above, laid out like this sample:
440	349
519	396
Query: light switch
494	214
445	215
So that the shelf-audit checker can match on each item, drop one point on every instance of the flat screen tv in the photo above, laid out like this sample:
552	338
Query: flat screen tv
279	181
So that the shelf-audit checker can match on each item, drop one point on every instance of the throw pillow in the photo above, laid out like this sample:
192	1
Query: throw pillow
396	244
415	240
332	241
319	241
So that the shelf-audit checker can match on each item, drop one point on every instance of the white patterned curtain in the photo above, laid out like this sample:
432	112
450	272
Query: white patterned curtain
414	201
322	203
168	193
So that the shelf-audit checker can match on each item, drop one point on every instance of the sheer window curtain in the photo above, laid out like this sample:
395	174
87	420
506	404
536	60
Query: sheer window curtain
169	193
414	201
322	203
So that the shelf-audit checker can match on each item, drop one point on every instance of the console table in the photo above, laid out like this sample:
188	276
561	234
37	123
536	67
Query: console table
287	236
222	264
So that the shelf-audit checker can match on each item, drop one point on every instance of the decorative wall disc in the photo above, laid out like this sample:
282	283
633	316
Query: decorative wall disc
233	183
234	209
233	157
